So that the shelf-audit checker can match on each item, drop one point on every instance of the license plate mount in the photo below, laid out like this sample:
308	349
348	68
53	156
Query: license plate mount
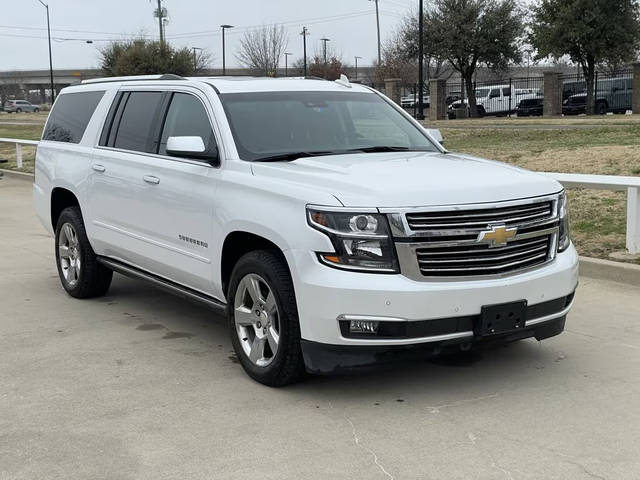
502	318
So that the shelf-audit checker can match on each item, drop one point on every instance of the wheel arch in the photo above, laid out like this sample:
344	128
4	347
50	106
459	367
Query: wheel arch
62	198
238	243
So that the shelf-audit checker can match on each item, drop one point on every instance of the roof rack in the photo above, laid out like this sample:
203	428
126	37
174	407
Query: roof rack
135	78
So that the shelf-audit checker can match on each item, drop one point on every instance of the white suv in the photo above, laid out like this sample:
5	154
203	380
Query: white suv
332	228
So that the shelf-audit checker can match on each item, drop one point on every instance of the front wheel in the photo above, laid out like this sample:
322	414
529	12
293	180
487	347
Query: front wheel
263	319
601	108
80	273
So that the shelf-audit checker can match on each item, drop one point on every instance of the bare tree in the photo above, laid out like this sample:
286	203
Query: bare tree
203	60
331	70
262	48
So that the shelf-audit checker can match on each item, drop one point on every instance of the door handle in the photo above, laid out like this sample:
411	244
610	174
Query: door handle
98	168
151	179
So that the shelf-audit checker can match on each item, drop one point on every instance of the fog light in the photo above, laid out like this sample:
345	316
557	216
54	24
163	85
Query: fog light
363	326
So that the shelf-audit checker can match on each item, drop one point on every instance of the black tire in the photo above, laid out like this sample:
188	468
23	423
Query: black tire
94	279
481	111
601	108
18	110
36	110
287	365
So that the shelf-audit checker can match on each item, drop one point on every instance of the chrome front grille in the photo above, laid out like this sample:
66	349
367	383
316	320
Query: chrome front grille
481	259
480	218
445	242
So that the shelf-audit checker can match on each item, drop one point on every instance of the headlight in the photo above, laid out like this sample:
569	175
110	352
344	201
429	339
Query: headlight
564	237
361	240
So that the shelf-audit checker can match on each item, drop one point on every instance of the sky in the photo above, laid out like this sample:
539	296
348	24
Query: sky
350	24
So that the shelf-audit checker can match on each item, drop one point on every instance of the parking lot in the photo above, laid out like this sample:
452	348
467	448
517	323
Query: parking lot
141	384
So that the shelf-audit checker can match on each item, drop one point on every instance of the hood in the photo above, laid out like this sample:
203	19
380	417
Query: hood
414	179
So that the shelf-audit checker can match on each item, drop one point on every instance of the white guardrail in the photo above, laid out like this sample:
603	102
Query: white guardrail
595	182
19	143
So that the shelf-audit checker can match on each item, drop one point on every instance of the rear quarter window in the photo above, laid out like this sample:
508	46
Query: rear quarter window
70	116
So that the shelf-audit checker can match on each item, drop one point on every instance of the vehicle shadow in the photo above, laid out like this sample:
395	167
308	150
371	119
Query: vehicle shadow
476	373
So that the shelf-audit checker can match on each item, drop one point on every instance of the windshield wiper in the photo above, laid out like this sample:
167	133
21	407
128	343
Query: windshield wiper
289	157
379	148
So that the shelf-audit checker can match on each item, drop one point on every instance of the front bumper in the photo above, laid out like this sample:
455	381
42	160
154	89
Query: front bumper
325	295
321	358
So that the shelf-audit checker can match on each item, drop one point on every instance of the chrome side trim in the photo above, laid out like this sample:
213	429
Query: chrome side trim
162	283
370	318
546	318
171	248
410	341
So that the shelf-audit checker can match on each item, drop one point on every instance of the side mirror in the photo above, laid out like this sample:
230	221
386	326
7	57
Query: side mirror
436	134
191	147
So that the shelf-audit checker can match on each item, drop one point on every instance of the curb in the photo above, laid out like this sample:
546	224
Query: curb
607	270
19	175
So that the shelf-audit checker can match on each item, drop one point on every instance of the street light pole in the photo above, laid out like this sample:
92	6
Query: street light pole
195	59
324	41
378	27
224	63
304	34
53	93
357	58
286	64
420	115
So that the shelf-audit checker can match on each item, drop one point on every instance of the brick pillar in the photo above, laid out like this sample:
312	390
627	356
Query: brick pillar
392	89
636	88
438	100
552	94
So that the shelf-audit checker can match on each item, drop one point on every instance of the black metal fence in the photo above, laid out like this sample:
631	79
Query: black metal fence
525	96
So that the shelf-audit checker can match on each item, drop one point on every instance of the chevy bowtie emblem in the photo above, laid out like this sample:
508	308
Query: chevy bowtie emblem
498	235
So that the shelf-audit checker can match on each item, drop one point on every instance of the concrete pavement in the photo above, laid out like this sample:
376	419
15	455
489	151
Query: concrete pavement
144	385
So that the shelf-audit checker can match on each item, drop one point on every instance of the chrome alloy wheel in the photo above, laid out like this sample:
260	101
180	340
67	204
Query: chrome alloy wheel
69	253
257	320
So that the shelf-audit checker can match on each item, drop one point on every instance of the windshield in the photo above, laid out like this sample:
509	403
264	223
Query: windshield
482	92
272	124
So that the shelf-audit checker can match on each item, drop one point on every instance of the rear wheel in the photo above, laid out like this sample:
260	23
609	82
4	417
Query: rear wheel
18	110
80	273
263	319
36	110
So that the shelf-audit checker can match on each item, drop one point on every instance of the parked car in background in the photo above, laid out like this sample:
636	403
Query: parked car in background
530	107
410	101
575	104
613	95
493	100
17	106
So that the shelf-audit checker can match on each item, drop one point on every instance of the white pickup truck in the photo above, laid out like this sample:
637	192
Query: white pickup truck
330	227
496	100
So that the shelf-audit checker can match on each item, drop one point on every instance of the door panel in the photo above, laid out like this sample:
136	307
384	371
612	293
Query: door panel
153	211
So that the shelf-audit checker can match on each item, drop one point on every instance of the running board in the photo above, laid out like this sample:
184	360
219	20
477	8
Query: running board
162	283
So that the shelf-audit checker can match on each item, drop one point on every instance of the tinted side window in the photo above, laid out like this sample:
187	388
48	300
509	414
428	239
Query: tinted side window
186	117
506	92
135	131
70	116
